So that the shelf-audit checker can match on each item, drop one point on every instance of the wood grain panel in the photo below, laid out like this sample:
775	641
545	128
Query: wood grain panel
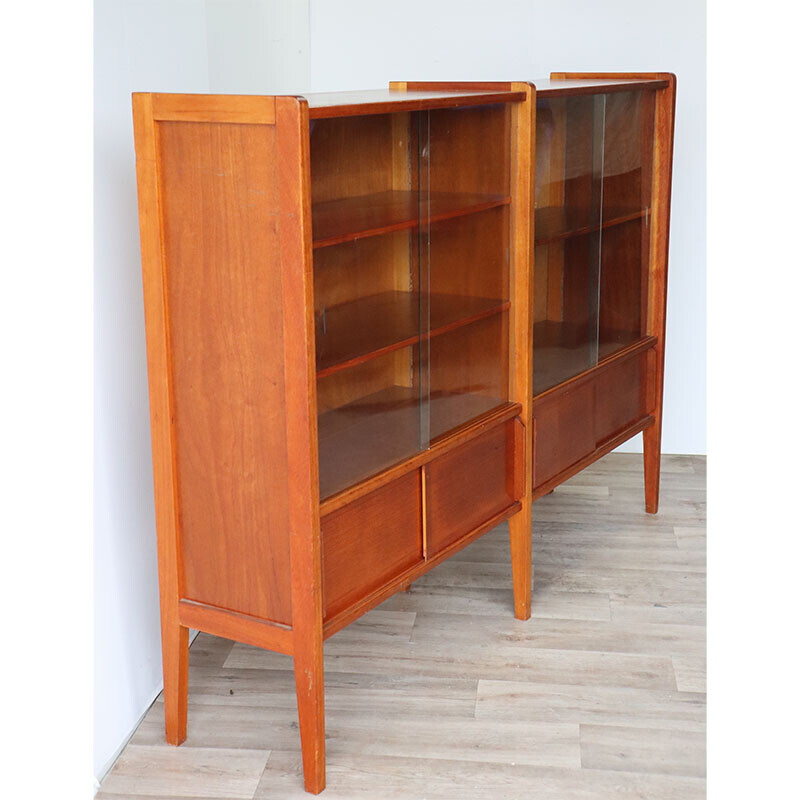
621	276
214	108
469	485
576	421
361	268
564	430
350	157
459	159
225	329
469	255
620	396
469	360
370	541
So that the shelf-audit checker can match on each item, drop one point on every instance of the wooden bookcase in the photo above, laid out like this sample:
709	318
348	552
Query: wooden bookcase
369	342
336	293
603	146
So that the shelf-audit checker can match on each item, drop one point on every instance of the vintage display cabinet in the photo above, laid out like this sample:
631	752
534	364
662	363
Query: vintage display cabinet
336	297
603	148
373	334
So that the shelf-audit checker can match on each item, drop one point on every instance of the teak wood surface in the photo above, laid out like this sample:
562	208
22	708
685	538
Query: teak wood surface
240	421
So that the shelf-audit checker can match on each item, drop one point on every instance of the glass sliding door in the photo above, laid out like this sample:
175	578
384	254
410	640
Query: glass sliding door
591	230
567	236
627	185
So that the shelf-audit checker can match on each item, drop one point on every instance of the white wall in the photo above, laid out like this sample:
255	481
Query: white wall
138	45
236	46
257	46
363	44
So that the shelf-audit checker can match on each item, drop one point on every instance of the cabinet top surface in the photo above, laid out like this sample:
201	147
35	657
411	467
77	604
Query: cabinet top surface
554	87
378	101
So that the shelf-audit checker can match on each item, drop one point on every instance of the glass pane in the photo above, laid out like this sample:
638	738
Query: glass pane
567	235
627	181
465	172
367	295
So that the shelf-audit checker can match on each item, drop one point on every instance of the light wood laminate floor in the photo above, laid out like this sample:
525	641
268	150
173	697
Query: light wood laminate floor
441	693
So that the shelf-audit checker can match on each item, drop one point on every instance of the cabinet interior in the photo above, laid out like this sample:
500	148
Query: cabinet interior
593	181
410	229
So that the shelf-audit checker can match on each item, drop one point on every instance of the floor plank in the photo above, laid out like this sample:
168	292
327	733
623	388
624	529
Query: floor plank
361	777
690	673
641	708
667	752
162	770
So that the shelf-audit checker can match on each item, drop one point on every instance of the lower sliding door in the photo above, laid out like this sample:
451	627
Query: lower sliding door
465	265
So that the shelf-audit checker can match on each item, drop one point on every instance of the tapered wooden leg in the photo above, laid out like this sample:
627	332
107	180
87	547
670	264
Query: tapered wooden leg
175	661
308	676
652	467
521	534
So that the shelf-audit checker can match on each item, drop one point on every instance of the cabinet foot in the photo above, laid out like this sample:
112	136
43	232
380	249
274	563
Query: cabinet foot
309	682
175	660
652	467
520	535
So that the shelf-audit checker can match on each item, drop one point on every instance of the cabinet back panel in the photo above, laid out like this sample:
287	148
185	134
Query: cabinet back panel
472	360
352	156
622	272
468	255
628	150
460	156
225	331
364	267
350	385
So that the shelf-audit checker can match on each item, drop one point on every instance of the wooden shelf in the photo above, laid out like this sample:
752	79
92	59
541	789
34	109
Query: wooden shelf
373	326
553	223
561	350
363	438
351	218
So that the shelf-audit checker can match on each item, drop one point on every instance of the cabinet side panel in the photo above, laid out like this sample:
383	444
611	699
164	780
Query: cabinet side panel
225	328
